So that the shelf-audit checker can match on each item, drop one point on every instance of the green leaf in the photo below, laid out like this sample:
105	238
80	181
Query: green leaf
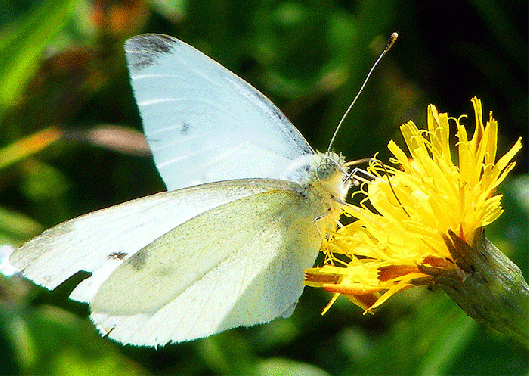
16	228
22	45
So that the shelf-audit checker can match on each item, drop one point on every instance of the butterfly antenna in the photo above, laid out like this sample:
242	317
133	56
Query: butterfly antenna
390	43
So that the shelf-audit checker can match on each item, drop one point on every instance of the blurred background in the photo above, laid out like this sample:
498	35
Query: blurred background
71	143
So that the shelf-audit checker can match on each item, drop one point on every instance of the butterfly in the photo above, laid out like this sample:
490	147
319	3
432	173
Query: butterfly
248	205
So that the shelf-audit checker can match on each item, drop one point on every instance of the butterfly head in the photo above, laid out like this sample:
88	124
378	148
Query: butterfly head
330	173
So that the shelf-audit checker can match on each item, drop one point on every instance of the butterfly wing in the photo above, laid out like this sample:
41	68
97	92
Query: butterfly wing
100	241
185	264
238	264
203	123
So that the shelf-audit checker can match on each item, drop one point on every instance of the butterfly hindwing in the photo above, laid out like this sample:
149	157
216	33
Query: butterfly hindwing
239	264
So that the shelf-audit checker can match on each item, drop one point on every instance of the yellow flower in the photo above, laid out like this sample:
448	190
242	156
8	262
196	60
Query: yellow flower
414	213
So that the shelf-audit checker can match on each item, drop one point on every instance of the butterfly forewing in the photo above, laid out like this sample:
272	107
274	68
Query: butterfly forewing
203	123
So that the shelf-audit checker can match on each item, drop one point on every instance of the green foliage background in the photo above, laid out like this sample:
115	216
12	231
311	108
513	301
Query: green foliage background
62	65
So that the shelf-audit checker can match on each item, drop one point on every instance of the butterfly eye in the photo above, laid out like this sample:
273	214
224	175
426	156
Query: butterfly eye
326	170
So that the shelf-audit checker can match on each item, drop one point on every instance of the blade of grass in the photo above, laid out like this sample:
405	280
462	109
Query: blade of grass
21	46
25	147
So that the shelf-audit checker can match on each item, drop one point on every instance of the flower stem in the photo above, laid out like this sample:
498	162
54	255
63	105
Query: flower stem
488	286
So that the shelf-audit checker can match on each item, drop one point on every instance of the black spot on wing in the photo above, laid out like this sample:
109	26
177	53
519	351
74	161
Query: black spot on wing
143	50
184	129
117	256
138	259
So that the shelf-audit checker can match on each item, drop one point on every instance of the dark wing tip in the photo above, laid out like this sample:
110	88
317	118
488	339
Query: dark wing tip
143	50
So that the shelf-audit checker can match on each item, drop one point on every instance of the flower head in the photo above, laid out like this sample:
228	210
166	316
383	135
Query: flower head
405	227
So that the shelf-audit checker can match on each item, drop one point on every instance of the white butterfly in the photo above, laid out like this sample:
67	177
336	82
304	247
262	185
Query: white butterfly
248	207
